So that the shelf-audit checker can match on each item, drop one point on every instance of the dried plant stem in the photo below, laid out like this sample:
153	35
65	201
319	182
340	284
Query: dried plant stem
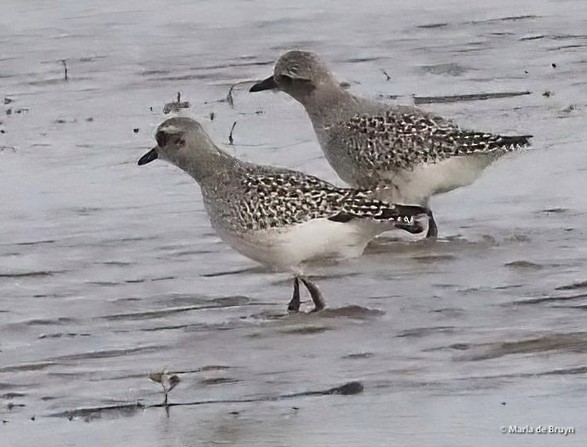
230	138
64	62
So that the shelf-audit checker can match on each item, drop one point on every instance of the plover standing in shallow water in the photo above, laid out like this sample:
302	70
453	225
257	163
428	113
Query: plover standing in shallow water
406	153
278	217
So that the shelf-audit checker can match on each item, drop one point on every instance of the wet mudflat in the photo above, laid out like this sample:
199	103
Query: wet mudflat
109	272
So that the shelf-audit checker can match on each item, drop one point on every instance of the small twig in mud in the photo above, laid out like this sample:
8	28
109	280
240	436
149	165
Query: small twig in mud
230	139
567	110
64	62
175	106
229	97
387	77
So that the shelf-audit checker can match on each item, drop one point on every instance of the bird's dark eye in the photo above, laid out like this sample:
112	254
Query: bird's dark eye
161	138
168	139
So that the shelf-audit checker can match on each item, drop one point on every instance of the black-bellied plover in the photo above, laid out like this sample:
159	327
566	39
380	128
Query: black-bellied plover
405	152
278	217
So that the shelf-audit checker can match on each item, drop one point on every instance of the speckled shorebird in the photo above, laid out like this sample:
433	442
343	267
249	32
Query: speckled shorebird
405	152
278	217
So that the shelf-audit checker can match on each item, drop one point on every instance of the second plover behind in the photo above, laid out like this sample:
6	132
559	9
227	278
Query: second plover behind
405	152
278	217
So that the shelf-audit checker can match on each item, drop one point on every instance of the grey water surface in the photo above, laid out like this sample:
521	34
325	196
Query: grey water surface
109	271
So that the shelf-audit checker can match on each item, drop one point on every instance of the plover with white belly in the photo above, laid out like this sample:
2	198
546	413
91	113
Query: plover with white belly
278	217
405	152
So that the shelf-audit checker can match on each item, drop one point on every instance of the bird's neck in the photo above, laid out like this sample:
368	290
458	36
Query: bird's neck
205	162
328	103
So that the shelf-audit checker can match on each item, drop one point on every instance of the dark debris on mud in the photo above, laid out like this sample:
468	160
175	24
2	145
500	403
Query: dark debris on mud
130	409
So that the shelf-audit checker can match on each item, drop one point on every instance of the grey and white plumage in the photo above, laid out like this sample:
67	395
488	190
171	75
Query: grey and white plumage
404	152
392	140
278	217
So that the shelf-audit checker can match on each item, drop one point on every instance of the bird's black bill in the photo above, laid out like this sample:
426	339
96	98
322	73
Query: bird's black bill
148	157
266	84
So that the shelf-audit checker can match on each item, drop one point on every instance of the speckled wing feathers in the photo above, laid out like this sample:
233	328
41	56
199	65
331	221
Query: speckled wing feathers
273	200
396	140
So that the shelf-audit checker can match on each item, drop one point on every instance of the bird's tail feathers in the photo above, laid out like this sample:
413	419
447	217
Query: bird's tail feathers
513	142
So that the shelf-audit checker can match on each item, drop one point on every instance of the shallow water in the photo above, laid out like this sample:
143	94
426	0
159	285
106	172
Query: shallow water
109	271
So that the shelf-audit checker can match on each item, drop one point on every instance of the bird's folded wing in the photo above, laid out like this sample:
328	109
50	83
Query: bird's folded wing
402	140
